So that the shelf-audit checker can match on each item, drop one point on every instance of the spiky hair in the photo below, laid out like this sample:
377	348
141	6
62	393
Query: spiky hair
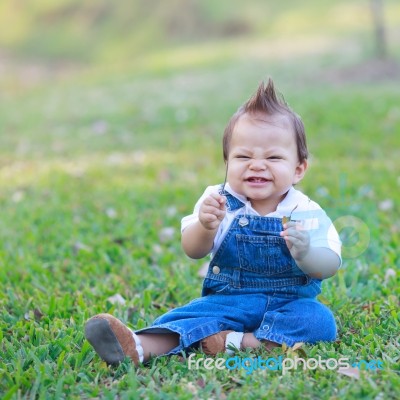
268	102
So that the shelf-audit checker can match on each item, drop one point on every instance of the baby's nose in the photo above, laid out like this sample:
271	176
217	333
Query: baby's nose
257	164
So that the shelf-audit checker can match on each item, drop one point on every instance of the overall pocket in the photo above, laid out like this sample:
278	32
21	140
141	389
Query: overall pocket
265	255
211	286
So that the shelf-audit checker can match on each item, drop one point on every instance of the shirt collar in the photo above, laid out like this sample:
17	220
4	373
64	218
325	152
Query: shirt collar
284	207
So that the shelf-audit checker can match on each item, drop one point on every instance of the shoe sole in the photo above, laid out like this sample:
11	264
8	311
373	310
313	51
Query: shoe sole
100	335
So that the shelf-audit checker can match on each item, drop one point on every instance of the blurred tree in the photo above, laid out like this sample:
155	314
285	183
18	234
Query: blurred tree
379	27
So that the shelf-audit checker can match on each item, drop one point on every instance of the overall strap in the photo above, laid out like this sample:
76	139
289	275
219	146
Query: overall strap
232	203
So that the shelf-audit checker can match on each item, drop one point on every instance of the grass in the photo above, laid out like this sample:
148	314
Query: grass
94	169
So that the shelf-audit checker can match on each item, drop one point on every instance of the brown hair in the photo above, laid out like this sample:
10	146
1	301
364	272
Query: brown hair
267	101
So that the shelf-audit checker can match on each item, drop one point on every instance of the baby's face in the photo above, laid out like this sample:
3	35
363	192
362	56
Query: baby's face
263	162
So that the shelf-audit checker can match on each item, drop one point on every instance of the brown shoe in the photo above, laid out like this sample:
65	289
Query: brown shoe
112	340
214	344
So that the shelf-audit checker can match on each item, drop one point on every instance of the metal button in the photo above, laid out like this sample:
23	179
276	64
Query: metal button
216	269
266	327
243	221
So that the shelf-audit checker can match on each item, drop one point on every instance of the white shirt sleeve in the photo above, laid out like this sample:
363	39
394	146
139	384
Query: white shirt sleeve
326	234
320	228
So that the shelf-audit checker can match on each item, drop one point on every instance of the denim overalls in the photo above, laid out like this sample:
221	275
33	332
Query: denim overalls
252	285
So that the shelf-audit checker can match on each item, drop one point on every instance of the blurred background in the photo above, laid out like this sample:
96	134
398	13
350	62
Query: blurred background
110	86
43	40
86	80
138	92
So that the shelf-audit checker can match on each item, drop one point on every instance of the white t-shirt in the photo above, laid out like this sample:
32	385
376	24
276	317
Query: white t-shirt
313	218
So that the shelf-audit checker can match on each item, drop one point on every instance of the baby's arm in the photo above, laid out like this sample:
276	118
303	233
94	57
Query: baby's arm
317	262
198	238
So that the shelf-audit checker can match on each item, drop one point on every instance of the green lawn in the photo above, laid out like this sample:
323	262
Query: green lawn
93	170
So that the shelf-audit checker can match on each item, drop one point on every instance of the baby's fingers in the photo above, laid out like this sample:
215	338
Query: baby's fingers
298	225
217	200
210	210
294	231
209	221
208	217
214	204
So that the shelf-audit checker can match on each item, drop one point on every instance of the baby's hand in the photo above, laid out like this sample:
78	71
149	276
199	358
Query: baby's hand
212	211
297	239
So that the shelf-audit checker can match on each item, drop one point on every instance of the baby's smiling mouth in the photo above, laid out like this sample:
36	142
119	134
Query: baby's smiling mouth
257	179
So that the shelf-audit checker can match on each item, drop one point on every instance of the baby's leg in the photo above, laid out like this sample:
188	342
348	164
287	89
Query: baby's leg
223	341
250	341
300	320
113	341
157	344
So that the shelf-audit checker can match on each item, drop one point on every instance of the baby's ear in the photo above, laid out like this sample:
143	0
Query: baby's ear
300	171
